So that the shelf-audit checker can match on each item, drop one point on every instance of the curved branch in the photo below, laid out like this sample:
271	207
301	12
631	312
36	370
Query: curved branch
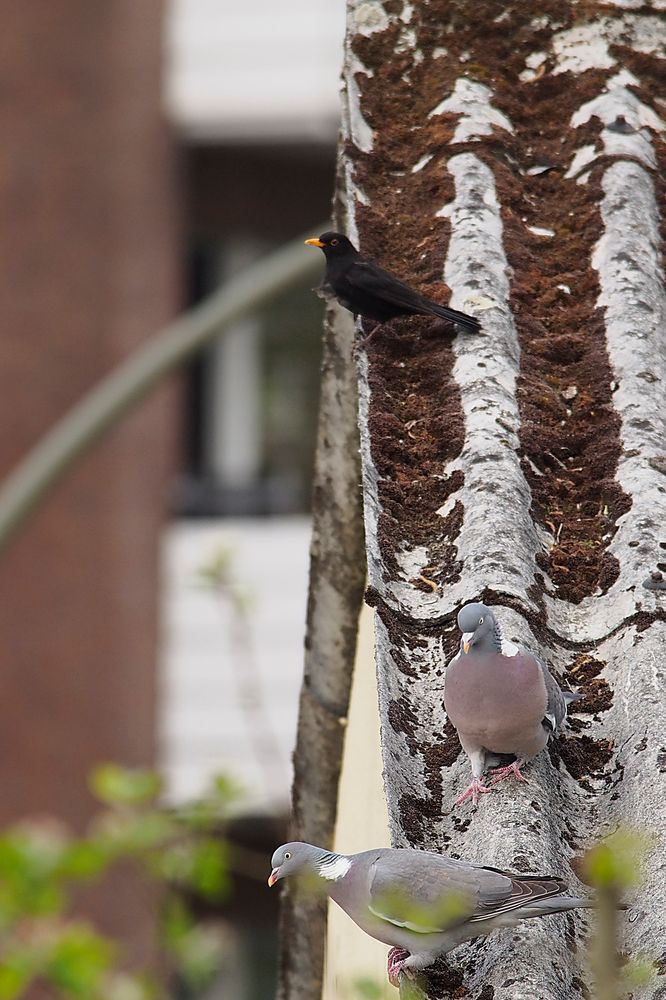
25	487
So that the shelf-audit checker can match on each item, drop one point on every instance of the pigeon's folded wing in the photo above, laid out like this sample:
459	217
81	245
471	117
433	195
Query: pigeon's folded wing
556	708
428	894
525	890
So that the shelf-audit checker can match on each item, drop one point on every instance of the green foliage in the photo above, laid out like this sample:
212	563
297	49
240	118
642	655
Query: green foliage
367	989
611	867
77	961
617	861
218	575
195	946
43	863
445	911
121	786
211	810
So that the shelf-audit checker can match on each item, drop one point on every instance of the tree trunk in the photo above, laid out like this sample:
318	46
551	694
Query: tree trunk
517	157
337	581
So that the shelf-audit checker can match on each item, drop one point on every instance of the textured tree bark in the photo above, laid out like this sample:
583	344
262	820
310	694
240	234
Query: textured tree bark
337	579
518	158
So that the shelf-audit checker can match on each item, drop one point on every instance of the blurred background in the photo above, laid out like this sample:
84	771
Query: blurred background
152	611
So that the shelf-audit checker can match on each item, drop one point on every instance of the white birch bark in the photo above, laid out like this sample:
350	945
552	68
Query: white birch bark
533	826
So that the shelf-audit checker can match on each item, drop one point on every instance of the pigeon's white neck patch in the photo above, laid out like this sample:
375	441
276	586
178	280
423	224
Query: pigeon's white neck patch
333	867
507	648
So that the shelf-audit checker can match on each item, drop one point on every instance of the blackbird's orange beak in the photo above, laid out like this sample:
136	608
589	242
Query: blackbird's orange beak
314	242
273	877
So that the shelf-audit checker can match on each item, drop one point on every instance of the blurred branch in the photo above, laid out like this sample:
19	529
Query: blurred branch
604	952
612	867
132	380
218	575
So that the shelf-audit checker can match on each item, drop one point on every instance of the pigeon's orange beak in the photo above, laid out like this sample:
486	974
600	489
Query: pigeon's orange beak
466	647
314	242
273	877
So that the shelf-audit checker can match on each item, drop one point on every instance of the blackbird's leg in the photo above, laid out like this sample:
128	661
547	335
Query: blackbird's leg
364	341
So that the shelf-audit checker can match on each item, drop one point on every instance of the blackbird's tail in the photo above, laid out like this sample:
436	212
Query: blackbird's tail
468	323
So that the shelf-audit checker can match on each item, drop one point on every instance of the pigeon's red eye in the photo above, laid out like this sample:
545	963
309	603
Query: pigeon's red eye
334	243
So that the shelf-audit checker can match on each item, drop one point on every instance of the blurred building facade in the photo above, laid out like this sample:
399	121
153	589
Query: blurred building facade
89	270
252	93
252	90
150	151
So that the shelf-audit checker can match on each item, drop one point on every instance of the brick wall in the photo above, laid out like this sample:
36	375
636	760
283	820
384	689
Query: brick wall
87	271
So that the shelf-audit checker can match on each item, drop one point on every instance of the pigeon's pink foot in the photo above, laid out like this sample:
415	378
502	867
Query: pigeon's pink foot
475	789
396	964
498	773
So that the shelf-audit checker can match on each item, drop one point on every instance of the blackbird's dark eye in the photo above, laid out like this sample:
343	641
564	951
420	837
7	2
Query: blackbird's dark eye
287	855
334	243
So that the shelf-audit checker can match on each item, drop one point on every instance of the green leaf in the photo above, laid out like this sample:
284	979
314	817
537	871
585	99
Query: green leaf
18	967
176	922
617	861
29	857
198	865
424	919
138	835
226	790
122	986
79	960
368	989
209	875
216	571
84	859
117	785
199	955
638	972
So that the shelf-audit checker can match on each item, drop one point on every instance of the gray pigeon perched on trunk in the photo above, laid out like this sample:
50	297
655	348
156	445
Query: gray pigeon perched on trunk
422	904
501	699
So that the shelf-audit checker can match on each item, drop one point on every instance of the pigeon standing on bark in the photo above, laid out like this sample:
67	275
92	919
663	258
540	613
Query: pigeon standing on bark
420	903
501	700
367	290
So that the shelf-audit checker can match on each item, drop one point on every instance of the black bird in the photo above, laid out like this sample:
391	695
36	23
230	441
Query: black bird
367	290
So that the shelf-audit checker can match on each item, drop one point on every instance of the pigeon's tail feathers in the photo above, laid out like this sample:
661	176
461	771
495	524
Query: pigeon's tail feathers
469	323
528	893
554	904
570	697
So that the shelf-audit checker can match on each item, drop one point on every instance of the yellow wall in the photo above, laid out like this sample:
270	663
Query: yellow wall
362	824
